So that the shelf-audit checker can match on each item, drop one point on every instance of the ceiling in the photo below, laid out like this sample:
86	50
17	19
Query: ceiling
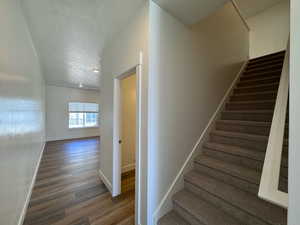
191	11
71	34
252	7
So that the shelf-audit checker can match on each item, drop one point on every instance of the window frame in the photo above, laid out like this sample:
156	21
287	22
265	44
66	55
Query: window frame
84	113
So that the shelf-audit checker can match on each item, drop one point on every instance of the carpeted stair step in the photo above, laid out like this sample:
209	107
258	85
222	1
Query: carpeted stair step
273	67
271	57
172	218
242	177
250	127
244	206
268	95
240	158
242	152
249	115
260	75
266	63
197	211
256	142
250	105
257	88
262	80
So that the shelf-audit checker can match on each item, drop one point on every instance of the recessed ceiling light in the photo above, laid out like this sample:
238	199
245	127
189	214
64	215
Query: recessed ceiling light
96	70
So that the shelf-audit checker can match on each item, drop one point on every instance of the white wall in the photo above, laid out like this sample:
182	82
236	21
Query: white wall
269	30
128	119
21	112
57	118
120	55
294	125
190	71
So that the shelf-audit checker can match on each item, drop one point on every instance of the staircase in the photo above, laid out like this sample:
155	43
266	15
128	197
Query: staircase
222	189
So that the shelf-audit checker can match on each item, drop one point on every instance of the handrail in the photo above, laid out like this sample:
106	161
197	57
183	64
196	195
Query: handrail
240	14
268	189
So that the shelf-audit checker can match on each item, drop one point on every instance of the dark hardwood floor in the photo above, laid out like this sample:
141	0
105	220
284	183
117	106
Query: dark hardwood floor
68	190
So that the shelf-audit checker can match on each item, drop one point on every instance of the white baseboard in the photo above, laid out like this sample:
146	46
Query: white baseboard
128	168
105	181
28	197
178	183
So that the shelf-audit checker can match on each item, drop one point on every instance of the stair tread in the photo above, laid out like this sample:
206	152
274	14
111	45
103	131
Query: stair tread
236	150
172	218
241	172
279	64
253	101
245	122
246	136
268	73
260	79
269	56
270	62
238	198
205	212
240	151
258	85
255	93
249	111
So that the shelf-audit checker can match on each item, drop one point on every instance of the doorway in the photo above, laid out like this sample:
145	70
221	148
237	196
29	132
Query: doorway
128	132
126	135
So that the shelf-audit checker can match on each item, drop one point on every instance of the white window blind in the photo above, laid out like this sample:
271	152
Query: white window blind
83	114
83	107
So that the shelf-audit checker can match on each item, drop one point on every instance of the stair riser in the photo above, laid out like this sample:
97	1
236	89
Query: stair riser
264	64
258	82
185	215
267	59
257	76
254	97
283	186
227	178
259	117
259	130
250	106
256	89
248	129
243	161
252	144
236	212
263	69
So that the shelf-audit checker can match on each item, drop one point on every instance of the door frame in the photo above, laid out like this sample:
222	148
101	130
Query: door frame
117	153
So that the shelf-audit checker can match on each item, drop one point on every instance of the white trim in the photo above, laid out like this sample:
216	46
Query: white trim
105	180
24	210
166	203
240	14
268	188
117	153
73	138
128	167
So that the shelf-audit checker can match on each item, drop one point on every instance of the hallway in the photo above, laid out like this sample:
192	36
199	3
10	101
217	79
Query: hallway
68	190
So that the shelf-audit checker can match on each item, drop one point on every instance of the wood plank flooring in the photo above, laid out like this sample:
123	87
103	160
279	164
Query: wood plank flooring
68	190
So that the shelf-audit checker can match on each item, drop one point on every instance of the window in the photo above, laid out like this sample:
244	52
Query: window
83	114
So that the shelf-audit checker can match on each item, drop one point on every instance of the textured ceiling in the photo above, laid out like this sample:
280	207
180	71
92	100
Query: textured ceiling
252	7
71	34
190	11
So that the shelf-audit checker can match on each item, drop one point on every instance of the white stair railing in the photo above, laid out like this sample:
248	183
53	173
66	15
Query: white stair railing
269	182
